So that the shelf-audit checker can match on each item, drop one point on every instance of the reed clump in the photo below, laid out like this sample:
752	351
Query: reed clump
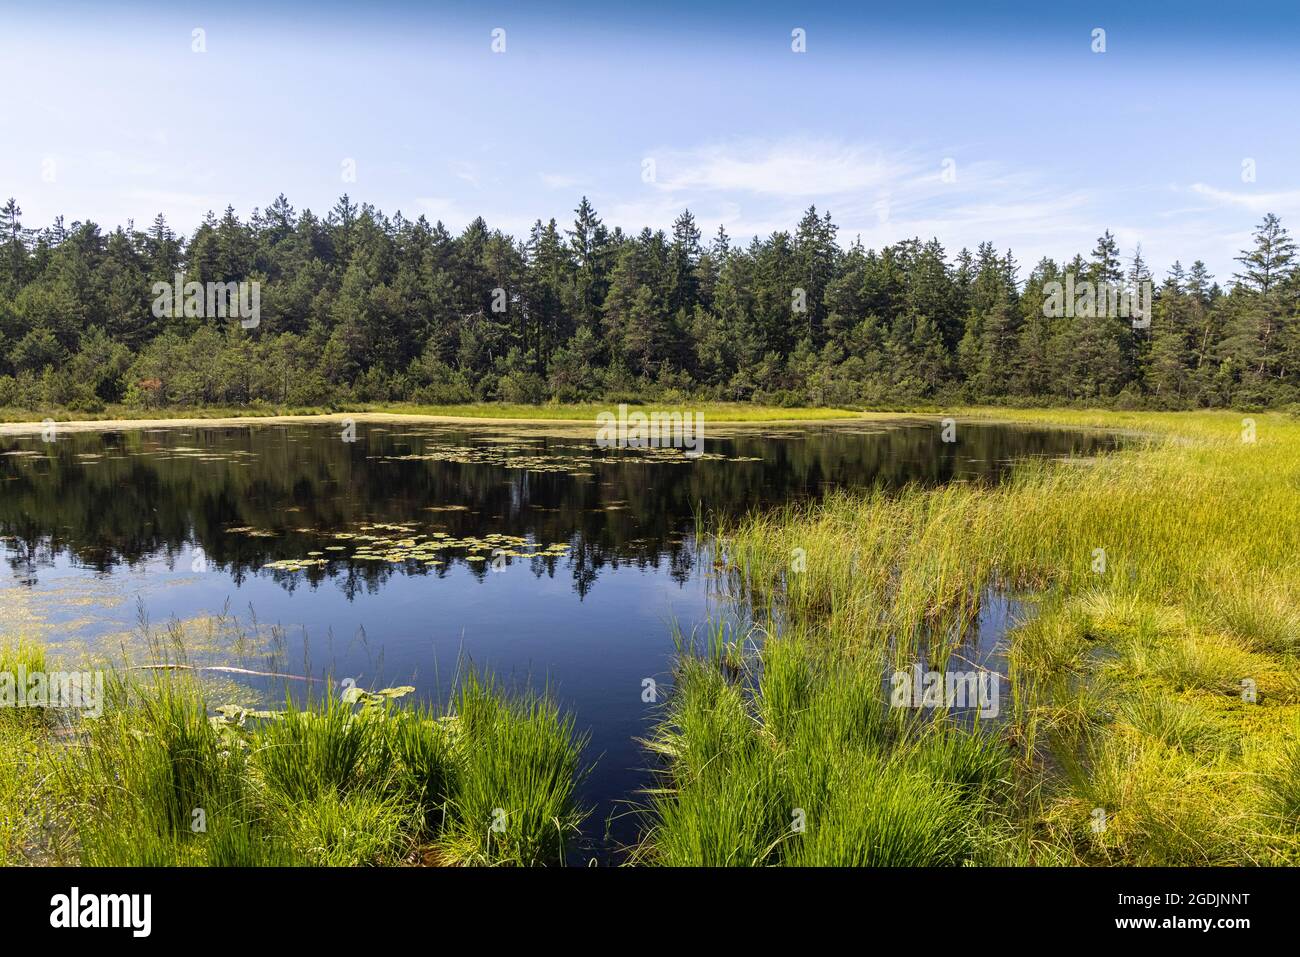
165	778
797	762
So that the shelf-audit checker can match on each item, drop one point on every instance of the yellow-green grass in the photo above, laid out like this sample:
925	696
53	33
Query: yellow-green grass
1155	688
28	830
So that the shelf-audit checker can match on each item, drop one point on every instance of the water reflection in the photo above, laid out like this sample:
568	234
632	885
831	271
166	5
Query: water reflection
250	496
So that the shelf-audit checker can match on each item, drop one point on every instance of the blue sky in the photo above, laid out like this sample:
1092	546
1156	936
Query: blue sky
110	115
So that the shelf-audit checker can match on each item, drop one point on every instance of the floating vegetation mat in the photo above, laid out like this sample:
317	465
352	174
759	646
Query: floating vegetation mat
529	459
398	544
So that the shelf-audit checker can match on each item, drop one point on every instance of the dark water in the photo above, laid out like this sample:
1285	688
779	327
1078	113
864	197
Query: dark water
101	529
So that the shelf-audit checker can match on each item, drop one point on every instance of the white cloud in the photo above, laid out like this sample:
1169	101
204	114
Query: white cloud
186	208
757	187
456	216
466	171
789	168
558	181
1255	202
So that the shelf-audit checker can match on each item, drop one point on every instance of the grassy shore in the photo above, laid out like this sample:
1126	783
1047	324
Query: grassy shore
167	776
1154	692
714	412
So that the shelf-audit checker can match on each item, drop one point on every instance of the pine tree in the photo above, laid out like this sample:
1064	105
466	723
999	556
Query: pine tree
1261	318
814	254
685	288
1167	373
15	245
590	242
1271	261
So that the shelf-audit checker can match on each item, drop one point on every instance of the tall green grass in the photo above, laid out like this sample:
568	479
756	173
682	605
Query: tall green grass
799	761
515	795
165	779
326	747
1155	683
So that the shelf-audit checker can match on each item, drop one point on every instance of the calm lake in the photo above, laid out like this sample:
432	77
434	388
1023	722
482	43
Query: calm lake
415	548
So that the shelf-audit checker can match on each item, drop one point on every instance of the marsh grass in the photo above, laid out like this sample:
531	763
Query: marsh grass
717	412
425	747
30	828
364	826
798	761
1264	620
146	780
163	778
23	657
1282	782
325	747
515	794
22	734
1158	681
1178	722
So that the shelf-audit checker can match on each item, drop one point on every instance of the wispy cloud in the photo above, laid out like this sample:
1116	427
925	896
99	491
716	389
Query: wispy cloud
756	187
558	181
177	205
464	170
456	215
1280	202
790	168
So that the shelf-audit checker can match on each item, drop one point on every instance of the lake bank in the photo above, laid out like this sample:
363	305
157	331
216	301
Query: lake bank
18	422
1152	701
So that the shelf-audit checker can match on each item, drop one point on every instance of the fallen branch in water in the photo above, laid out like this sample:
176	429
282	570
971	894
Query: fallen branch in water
223	668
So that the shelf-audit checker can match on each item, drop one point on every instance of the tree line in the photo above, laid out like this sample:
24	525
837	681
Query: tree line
358	306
